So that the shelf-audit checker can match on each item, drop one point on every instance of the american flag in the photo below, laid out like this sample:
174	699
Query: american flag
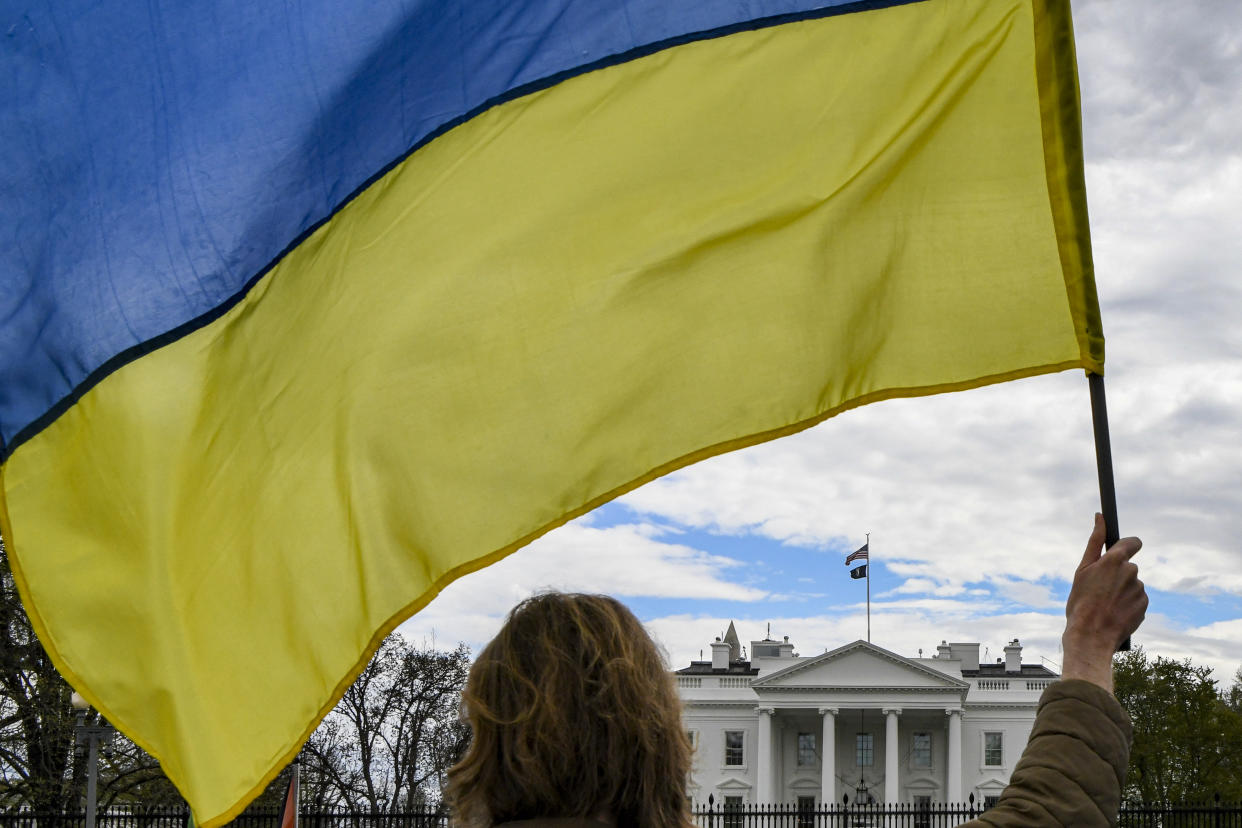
859	554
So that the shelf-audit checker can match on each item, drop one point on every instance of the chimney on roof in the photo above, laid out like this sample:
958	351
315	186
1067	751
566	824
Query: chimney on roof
967	653
720	655
944	651
1013	657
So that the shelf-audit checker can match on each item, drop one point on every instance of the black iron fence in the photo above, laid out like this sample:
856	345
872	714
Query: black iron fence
257	818
1215	814
833	816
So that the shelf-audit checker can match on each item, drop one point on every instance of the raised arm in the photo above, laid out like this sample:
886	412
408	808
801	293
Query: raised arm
1074	765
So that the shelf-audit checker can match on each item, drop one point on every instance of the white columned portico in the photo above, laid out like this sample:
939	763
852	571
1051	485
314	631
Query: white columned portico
953	778
763	761
890	755
828	757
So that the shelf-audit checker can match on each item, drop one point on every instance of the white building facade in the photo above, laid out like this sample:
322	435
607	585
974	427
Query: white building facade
859	721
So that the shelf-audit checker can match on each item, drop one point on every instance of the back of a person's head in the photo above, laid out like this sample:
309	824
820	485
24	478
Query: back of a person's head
573	714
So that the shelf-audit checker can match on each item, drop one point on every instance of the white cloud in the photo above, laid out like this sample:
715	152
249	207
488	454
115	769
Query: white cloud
955	488
926	586
1215	645
626	560
1028	593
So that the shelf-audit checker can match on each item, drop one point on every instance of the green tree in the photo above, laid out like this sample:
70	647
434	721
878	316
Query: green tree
1233	699
1186	735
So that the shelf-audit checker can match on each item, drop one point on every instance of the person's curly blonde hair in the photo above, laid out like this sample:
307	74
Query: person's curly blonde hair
573	714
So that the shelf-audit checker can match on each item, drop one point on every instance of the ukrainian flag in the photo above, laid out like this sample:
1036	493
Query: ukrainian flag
308	309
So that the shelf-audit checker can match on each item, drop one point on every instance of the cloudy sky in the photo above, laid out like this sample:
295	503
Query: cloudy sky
979	503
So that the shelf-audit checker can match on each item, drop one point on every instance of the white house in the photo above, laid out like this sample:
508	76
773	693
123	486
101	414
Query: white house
898	729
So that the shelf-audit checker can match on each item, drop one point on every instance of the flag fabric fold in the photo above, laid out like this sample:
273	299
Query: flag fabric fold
309	312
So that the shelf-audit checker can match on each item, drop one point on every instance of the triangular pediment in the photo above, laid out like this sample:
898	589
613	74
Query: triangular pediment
861	665
733	785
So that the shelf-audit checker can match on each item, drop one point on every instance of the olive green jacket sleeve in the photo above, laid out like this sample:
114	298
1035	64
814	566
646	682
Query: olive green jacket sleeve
1074	765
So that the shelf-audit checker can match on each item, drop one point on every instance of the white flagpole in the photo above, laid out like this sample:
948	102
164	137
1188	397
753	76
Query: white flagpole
868	587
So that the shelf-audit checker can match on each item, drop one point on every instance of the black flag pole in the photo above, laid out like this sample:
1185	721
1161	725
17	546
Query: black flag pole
1104	465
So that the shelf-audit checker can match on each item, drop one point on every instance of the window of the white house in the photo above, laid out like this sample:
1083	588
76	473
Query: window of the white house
864	754
806	750
733	810
693	736
921	750
990	802
993	749
734	742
